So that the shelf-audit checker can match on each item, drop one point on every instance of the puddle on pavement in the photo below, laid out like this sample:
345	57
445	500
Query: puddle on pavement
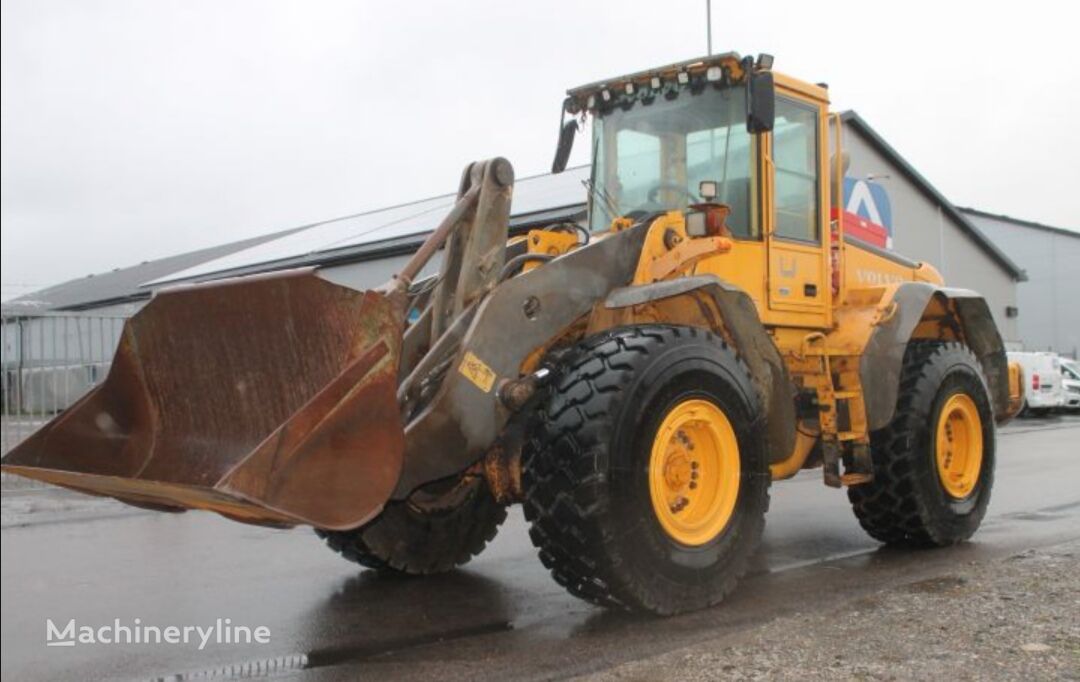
323	658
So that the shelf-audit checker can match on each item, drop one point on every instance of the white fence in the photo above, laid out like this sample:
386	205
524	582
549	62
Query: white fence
48	362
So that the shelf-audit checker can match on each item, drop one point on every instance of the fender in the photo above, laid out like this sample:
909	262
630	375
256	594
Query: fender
984	339
883	355
740	326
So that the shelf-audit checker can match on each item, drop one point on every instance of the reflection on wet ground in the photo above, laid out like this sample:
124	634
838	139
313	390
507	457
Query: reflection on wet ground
502	616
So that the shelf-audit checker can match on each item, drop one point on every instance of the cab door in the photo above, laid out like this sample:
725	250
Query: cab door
798	292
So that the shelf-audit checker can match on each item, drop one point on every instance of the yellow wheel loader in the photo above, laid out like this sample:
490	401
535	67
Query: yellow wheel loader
636	379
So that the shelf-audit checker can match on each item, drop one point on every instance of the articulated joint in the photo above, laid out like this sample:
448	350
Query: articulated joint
513	394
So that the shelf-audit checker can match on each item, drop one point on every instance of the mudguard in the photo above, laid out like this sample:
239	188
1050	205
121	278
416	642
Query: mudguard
740	326
883	355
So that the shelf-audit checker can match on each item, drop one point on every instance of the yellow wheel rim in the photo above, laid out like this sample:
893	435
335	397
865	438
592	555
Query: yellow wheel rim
694	472
959	446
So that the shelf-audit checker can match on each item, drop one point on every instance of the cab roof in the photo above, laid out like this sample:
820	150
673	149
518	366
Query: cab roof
730	68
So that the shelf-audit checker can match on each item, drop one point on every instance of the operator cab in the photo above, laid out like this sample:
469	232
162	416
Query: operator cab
659	135
756	141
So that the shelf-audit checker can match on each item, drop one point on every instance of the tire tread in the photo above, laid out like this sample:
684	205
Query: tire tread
564	472
888	508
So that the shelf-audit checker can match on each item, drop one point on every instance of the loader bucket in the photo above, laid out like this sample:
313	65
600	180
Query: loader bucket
268	399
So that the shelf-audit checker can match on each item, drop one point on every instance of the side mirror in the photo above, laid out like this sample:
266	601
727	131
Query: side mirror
760	102
566	143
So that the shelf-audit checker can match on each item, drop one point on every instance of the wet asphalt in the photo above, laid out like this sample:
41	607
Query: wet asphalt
499	617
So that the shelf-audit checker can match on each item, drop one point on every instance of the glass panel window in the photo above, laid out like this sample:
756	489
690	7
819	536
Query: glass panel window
795	156
723	154
652	158
639	166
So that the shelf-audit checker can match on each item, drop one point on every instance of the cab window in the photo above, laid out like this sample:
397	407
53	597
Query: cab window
795	157
725	154
653	158
639	166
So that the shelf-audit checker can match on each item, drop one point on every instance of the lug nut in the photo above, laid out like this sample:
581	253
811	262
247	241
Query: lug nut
679	504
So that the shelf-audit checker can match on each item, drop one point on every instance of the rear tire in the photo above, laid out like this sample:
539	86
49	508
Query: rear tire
437	529
1024	411
910	500
590	473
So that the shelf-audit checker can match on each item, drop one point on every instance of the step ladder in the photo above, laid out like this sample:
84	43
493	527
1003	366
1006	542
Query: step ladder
841	415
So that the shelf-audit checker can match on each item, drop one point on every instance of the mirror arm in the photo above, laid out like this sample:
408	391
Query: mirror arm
565	145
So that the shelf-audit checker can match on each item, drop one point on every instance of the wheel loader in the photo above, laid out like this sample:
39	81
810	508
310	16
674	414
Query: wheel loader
636	378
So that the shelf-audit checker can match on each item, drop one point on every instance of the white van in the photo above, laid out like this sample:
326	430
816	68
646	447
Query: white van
1043	389
1070	379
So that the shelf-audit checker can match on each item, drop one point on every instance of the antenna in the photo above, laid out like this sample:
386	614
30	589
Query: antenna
708	26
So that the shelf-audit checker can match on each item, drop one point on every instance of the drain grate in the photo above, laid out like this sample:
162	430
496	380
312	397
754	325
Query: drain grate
243	670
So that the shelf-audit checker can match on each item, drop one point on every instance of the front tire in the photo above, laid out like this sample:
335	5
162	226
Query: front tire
934	463
646	480
438	528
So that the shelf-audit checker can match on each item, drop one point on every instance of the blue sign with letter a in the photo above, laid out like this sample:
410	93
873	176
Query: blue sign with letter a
869	201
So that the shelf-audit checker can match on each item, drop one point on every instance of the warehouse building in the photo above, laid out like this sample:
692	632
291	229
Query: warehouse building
920	223
886	201
1049	314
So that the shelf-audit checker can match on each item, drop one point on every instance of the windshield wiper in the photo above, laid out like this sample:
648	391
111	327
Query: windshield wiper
609	206
595	191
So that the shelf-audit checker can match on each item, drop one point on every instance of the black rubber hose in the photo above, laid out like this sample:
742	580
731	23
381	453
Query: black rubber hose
517	262
568	226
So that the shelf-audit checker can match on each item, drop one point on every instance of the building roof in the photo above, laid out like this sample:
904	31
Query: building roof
363	236
386	231
852	119
122	284
1017	221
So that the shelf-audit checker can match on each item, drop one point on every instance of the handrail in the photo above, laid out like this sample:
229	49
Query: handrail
838	202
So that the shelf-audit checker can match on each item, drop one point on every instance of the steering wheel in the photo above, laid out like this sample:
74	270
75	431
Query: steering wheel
654	193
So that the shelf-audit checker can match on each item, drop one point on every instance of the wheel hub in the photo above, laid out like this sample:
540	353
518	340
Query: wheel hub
678	470
959	446
694	472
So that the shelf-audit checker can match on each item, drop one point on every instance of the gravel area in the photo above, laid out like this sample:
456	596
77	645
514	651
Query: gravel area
1015	618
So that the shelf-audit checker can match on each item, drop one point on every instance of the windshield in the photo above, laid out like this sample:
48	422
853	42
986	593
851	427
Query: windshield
1071	369
653	157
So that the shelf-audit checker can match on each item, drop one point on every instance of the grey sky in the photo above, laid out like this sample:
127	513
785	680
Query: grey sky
138	129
